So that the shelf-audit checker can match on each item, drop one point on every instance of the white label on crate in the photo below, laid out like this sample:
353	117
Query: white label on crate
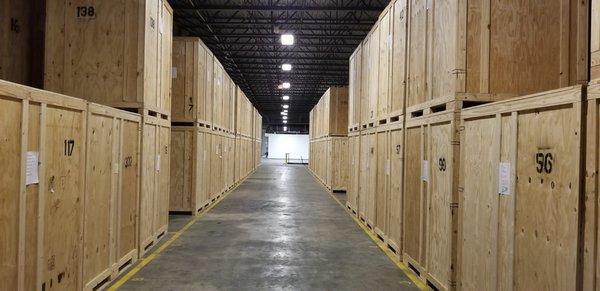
387	167
205	155
174	72
425	170
504	179
389	41
115	168
157	163
32	168
161	24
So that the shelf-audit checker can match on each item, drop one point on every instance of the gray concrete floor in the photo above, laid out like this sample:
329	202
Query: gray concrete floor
279	230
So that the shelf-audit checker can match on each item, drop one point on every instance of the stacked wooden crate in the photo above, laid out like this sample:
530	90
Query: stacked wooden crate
412	82
117	54
213	128
328	136
256	138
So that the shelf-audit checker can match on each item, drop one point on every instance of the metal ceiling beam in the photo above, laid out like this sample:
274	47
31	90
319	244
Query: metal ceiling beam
286	8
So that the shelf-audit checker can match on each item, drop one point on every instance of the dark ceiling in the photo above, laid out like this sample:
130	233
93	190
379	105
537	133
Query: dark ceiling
245	36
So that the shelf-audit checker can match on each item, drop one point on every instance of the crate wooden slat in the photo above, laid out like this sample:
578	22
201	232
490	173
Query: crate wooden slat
116	53
53	126
522	192
595	40
368	176
592	165
111	194
330	115
354	91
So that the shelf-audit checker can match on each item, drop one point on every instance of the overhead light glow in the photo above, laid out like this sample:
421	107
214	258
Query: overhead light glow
283	113
285	106
284	117
285	128
285	85
285	110
285	121
286	67
286	97
287	39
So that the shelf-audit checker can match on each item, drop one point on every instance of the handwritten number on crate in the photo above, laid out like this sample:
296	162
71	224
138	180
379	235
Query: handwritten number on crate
544	162
442	164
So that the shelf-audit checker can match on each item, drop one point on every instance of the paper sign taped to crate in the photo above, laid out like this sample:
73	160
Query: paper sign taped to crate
174	72
157	163
115	168
387	167
425	170
504	179
32	166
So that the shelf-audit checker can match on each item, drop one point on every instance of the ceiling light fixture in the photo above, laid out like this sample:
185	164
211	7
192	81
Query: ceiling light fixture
284	117
287	39
285	128
285	121
285	106
286	67
286	97
285	85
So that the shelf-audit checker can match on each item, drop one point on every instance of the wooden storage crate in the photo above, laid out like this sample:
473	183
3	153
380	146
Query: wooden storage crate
354	91
242	158
217	161
111	194
190	168
331	113
368	177
244	115
431	196
155	178
468	50
384	53
591	272
191	84
112	52
257	128
42	225
229	161
354	171
522	202
21	33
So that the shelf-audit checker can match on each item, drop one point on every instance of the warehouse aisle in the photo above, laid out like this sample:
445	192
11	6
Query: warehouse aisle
278	230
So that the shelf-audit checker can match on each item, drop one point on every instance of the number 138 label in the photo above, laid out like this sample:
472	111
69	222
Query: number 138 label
85	12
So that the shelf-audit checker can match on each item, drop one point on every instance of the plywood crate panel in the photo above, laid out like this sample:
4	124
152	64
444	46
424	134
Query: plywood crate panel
395	172
522	193
330	115
368	177
354	90
397	75
384	51
190	167
591	273
217	184
467	50
21	33
51	126
217	103
353	171
116	53
431	196
370	77
190	82
337	148
155	178
111	194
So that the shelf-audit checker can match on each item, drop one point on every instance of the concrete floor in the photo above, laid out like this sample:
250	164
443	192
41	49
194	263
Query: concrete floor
278	230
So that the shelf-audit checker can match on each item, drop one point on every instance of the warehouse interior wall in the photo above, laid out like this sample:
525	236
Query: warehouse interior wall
294	144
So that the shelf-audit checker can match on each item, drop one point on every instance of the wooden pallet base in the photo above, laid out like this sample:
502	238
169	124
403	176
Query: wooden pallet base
146	112
150	244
